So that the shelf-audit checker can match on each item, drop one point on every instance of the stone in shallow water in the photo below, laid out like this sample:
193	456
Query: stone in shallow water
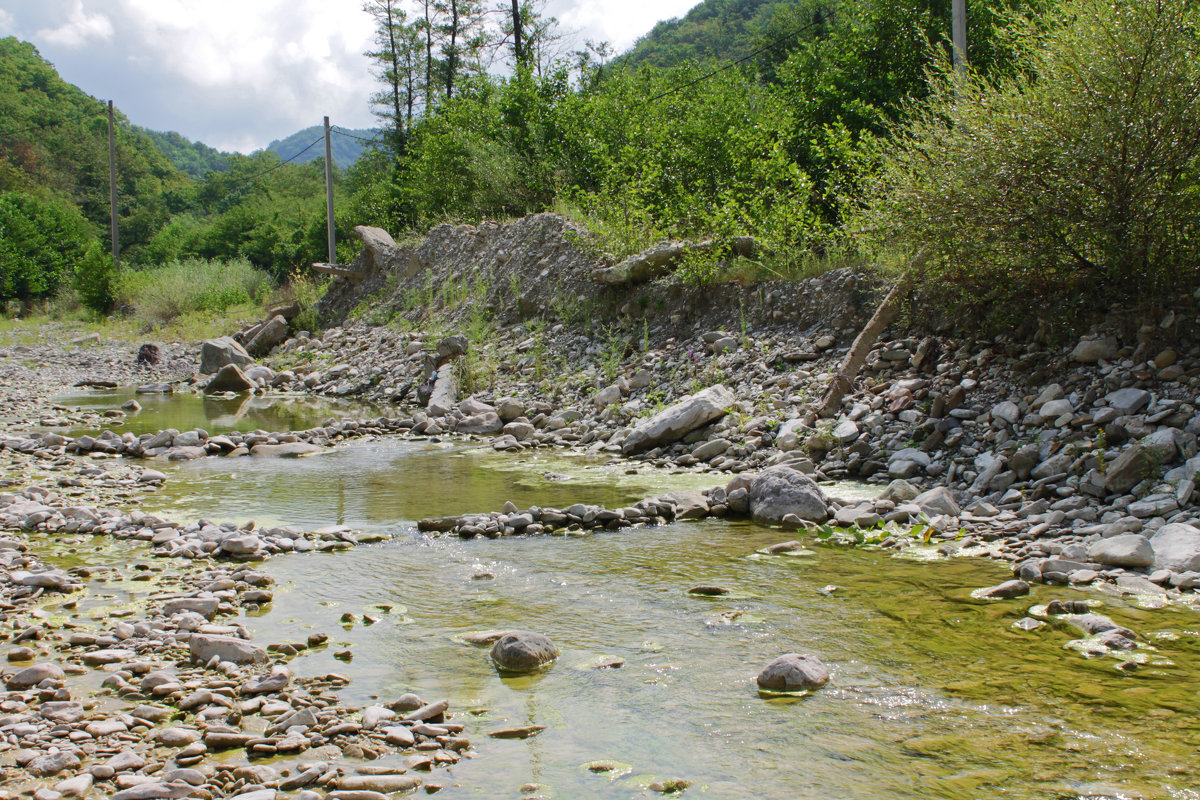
32	676
1028	624
1003	591
523	651
781	491
793	672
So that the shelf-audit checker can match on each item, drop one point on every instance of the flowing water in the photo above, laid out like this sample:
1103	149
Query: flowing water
933	695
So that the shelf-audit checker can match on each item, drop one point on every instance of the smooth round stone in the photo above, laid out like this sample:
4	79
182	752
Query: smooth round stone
523	651
793	673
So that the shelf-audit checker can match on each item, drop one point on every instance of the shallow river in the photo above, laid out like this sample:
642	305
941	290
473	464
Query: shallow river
934	694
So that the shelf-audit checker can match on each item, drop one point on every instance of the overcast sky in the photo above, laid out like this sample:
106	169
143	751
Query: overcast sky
236	74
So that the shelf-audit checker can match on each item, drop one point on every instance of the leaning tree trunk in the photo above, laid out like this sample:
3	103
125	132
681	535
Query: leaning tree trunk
843	380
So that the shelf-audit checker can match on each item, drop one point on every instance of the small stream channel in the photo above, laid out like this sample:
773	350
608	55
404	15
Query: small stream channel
934	694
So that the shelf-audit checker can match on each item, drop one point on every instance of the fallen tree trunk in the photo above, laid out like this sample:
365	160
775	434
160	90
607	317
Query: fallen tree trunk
843	380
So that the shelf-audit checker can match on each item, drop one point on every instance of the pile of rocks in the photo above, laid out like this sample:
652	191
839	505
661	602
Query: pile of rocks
186	687
43	510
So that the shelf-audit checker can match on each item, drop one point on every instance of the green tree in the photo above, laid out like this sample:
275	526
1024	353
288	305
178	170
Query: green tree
41	241
1077	181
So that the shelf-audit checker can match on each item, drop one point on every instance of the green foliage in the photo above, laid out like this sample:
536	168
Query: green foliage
41	241
95	276
195	285
1078	183
196	159
54	137
714	29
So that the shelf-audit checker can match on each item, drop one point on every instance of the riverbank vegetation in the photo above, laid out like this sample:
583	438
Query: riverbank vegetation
1062	166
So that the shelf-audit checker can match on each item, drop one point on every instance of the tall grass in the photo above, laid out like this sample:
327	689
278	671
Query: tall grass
161	294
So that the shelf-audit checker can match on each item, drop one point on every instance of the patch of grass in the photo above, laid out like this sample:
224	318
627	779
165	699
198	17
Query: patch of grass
618	229
194	287
305	290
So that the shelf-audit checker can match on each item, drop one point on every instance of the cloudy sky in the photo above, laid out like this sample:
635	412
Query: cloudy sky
236	74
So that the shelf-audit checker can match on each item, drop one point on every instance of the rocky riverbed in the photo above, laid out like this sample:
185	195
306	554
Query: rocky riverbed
145	700
1075	462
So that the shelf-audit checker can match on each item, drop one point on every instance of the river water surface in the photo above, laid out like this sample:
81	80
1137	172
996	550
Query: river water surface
933	695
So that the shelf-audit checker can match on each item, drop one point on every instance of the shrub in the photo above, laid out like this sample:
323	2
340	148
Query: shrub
41	241
1079	182
195	285
94	279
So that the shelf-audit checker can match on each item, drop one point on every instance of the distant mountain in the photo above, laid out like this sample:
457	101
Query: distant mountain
195	158
346	150
714	29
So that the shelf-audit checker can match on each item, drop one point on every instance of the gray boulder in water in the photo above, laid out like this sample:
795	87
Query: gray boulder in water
523	651
779	491
216	353
229	379
793	673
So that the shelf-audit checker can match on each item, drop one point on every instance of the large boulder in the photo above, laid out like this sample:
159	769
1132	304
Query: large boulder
938	500
229	379
32	676
203	647
1139	461
779	491
270	334
444	396
488	422
1093	349
1129	400
1176	547
1125	550
379	248
677	421
793	673
216	353
523	651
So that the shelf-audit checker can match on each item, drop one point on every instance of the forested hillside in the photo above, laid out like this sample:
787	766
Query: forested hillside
194	158
714	29
54	194
829	131
346	149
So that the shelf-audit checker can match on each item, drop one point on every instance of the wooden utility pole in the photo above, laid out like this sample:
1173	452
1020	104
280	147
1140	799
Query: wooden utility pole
959	37
329	196
112	186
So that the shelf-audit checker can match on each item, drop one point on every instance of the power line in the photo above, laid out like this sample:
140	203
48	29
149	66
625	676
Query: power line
345	132
820	18
270	169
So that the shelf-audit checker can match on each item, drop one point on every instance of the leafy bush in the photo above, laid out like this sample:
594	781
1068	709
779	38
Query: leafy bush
94	279
194	285
1079	181
41	241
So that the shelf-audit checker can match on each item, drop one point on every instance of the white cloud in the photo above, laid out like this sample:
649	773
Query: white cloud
79	29
7	23
618	22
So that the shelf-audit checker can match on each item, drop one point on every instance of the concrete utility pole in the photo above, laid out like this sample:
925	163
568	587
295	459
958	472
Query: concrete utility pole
329	195
959	37
112	187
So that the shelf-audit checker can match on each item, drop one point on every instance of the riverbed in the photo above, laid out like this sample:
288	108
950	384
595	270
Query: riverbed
934	694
